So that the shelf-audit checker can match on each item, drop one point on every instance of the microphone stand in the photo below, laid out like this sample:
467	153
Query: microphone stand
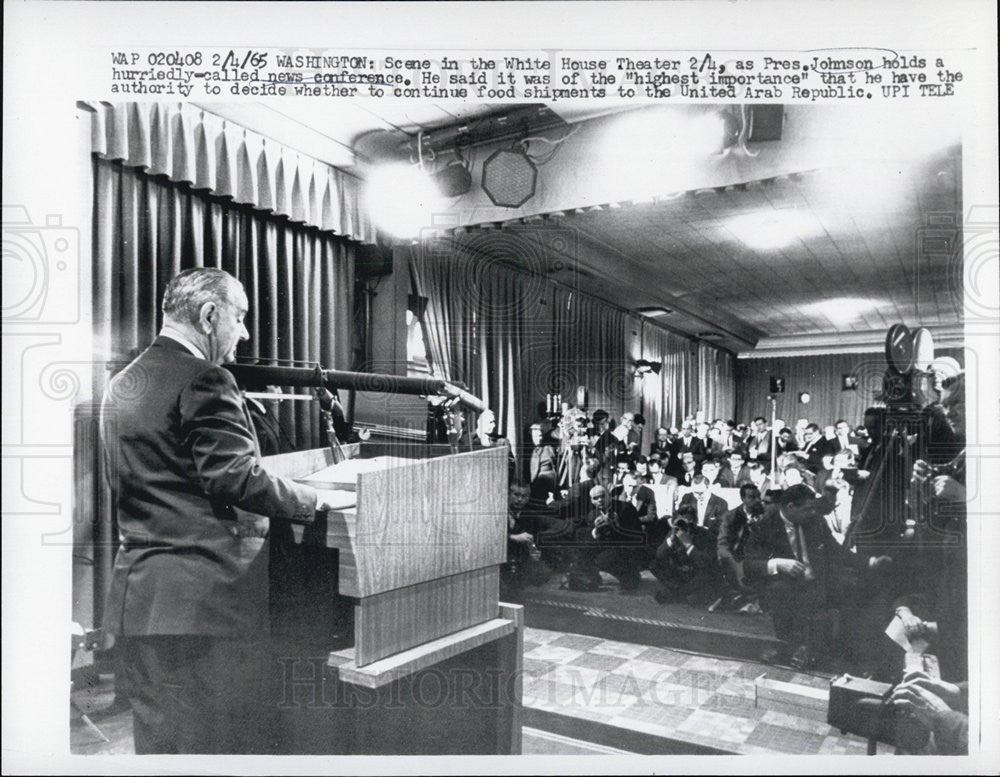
327	403
771	445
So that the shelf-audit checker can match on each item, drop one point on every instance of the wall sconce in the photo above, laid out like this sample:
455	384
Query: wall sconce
644	367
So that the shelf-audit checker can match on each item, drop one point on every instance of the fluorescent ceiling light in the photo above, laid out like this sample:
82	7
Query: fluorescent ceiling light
771	229
842	311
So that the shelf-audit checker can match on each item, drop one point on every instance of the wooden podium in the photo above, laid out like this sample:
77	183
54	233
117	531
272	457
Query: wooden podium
434	665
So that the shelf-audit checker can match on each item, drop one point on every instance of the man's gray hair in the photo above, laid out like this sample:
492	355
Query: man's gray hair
189	290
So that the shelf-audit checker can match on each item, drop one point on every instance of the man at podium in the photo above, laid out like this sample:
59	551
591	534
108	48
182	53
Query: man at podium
188	594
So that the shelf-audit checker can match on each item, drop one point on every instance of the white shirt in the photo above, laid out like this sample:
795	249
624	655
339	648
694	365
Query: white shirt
702	507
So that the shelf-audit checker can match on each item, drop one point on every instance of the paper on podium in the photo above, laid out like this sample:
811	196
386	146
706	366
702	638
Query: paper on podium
340	499
344	475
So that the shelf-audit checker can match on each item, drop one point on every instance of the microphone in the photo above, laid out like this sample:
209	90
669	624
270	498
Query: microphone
327	399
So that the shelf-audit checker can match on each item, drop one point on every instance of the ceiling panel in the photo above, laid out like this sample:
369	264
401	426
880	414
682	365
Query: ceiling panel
849	265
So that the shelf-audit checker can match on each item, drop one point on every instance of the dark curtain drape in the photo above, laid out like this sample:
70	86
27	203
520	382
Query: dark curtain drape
513	336
477	330
299	280
589	349
671	395
716	382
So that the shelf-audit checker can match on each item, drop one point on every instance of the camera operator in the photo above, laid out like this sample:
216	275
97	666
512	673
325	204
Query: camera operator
940	706
937	574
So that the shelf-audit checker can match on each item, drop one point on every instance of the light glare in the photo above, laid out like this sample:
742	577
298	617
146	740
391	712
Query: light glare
402	199
769	230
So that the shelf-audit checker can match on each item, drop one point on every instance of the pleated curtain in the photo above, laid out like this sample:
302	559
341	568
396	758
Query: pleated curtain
299	280
514	337
669	396
589	349
187	144
716	383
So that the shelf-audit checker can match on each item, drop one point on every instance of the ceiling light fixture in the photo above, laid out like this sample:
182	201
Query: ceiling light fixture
509	178
769	230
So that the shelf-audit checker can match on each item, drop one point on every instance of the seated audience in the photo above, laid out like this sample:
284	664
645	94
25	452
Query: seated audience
687	443
689	469
662	445
843	439
759	443
576	503
710	471
525	520
816	446
641	499
786	442
712	447
837	487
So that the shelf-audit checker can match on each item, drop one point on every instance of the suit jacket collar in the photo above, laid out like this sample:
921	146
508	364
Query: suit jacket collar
169	343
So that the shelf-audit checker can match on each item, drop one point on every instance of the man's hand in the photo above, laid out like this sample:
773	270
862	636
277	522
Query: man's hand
948	692
912	625
790	567
924	705
921	471
327	499
524	538
948	489
877	562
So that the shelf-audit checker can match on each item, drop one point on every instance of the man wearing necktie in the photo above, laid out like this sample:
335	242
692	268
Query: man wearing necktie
188	597
708	508
802	571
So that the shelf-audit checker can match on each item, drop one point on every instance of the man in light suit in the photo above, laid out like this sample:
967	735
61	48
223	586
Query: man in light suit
189	589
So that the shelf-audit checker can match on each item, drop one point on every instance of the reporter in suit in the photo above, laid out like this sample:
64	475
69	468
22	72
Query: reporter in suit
709	508
801	569
189	588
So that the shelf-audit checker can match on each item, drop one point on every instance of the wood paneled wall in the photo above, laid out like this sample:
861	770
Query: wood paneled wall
821	377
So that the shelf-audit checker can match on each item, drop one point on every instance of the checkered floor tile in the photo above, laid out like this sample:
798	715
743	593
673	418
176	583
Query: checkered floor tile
682	696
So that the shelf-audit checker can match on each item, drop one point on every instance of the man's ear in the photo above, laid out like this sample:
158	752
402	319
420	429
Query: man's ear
205	315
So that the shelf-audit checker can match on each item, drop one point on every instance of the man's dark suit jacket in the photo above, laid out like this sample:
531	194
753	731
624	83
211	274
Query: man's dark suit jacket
623	528
770	540
714	511
695	446
820	447
181	456
701	557
729	480
734	536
